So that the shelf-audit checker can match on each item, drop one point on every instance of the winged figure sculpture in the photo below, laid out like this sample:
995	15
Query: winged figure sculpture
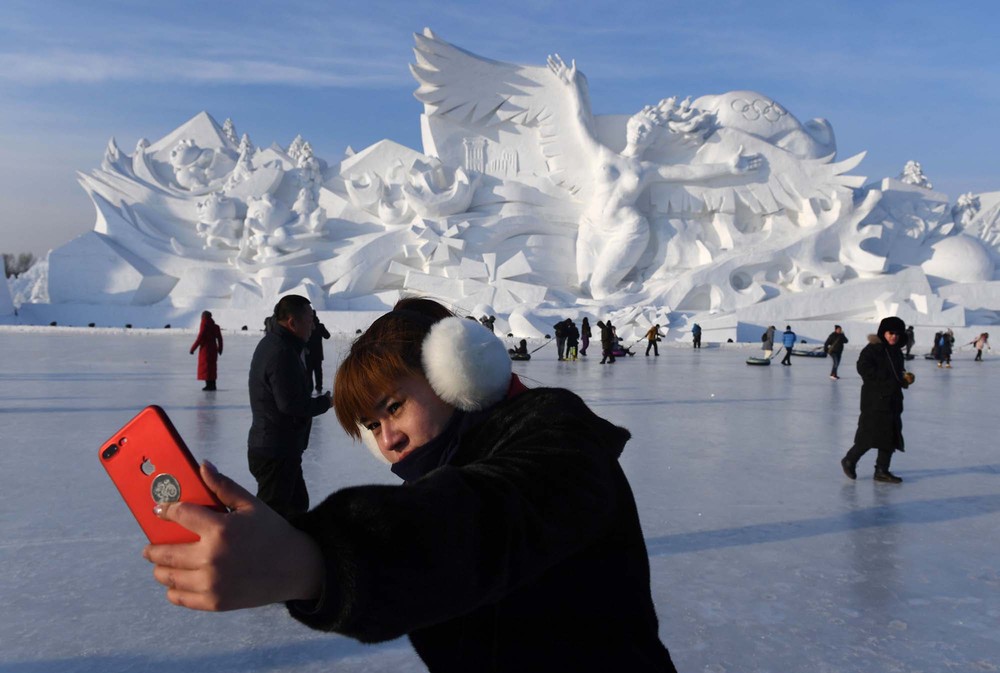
694	156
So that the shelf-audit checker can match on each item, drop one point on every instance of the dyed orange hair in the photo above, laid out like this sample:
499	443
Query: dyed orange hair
390	349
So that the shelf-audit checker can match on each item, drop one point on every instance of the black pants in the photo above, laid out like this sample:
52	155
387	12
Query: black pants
697	340
561	346
979	355
606	355
881	462
316	371
787	360
652	344
279	482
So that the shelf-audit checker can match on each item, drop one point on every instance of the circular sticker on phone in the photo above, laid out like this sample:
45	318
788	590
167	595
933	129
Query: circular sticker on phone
166	488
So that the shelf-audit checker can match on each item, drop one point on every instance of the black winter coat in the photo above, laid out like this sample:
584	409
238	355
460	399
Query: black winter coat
835	343
523	554
314	349
881	368
281	396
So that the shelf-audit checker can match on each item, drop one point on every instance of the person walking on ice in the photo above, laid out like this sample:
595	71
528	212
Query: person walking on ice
767	341
981	342
880	425
788	341
944	344
835	347
652	336
209	342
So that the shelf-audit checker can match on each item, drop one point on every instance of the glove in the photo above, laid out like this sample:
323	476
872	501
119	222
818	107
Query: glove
909	378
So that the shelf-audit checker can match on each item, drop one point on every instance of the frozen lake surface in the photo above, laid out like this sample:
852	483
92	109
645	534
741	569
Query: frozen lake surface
764	556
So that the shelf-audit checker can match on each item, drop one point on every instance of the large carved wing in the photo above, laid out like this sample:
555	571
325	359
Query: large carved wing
786	180
480	92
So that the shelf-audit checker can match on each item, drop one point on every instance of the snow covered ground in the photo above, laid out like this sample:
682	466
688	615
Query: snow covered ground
764	556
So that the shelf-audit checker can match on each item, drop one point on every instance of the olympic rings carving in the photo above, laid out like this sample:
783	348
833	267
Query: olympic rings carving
757	108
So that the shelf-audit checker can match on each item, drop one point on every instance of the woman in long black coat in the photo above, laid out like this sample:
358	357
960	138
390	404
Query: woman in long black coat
880	425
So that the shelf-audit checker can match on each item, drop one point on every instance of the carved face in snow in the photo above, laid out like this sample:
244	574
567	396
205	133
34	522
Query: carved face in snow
639	131
184	154
265	214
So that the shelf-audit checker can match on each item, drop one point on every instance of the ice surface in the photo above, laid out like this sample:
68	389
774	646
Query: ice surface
764	556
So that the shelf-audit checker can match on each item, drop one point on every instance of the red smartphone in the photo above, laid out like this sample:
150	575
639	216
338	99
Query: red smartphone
149	463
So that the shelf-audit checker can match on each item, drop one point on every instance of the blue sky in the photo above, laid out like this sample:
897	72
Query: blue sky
902	80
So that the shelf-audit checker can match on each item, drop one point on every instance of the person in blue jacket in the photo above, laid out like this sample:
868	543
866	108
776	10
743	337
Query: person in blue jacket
788	341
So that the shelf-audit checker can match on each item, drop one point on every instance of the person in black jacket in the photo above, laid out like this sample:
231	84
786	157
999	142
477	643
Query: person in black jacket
607	342
314	352
881	422
834	345
514	545
561	329
282	405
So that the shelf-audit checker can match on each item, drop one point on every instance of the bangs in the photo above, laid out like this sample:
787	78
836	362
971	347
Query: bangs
388	351
365	376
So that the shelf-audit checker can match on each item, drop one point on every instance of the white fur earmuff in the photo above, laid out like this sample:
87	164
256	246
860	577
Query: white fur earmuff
466	365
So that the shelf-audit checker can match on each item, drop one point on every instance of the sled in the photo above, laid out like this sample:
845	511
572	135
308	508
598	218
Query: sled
754	360
818	352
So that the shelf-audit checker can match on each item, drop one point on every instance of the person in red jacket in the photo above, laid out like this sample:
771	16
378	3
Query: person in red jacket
210	342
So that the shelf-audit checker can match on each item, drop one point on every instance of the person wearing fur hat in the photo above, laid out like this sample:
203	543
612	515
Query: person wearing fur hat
514	544
884	377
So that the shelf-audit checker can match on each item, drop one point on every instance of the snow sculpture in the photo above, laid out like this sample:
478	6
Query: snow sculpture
691	159
913	174
725	209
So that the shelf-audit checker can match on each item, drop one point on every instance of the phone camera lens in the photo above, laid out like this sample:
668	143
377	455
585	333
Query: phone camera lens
109	452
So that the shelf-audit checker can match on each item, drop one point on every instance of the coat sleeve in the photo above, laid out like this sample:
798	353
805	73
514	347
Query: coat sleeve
403	557
292	396
199	339
867	367
218	337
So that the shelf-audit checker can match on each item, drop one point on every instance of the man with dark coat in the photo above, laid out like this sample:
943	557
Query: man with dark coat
944	346
880	425
314	352
607	342
282	405
561	330
835	347
210	342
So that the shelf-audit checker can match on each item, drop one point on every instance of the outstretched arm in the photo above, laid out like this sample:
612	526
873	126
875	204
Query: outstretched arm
738	165
582	121
246	558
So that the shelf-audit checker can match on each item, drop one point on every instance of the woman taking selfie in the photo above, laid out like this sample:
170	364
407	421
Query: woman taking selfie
513	545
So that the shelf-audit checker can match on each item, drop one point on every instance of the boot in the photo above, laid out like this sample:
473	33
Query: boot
887	476
848	468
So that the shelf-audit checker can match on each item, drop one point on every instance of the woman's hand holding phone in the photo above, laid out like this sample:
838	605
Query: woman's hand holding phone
247	557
